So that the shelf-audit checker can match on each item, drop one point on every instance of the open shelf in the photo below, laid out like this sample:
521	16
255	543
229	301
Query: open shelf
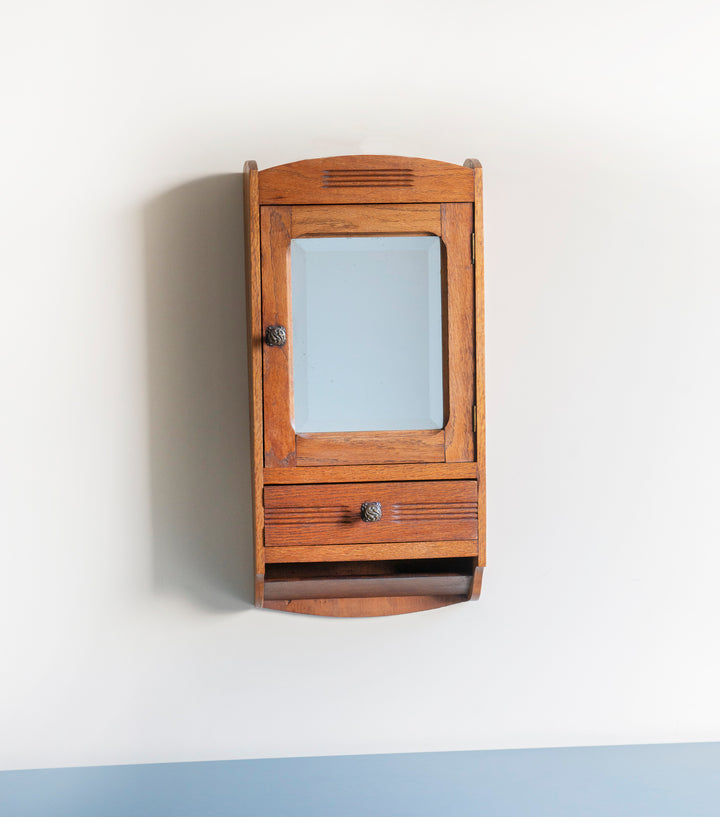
335	580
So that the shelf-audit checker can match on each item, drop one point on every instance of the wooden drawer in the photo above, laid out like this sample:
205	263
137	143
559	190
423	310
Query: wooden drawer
411	512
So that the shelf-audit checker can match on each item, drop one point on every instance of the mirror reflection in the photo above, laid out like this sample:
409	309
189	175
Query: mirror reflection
367	333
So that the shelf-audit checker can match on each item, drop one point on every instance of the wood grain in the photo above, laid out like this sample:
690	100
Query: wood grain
368	447
382	446
385	550
459	434
369	195
275	226
368	586
330	514
388	219
476	167
365	179
354	607
254	351
474	592
282	447
371	473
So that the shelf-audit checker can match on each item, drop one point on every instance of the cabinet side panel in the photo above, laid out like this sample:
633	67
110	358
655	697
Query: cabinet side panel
275	229
480	352
457	231
480	355
254	348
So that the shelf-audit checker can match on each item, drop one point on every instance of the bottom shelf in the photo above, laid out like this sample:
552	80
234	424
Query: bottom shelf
370	588
363	608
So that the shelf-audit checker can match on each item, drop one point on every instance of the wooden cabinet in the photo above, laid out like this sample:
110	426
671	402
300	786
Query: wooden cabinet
365	340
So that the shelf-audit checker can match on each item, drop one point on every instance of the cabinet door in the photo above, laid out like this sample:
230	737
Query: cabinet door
377	303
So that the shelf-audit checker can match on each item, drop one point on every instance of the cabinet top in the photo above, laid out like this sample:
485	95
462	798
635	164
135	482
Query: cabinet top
366	179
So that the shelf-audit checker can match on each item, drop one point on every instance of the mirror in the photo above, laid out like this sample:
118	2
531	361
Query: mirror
367	333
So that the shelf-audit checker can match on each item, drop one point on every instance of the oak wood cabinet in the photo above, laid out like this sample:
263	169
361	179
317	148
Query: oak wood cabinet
365	342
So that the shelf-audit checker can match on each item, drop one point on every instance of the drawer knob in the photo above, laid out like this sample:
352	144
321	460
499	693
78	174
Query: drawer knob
371	512
275	336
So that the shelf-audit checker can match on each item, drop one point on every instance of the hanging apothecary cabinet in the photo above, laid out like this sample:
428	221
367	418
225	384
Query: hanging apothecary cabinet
365	338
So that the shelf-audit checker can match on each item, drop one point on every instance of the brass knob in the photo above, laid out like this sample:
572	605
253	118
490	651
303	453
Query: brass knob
371	512
276	336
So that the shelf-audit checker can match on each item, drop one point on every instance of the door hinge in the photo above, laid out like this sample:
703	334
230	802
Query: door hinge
472	247
475	418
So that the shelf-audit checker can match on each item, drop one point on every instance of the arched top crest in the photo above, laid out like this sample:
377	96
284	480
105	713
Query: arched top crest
367	179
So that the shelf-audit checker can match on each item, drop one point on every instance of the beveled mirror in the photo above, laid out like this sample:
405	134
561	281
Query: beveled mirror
368	339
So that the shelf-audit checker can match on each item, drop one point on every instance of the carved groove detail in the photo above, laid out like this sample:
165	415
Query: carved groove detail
388	177
434	512
344	514
309	515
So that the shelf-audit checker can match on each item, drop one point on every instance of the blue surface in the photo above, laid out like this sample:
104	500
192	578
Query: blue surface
676	780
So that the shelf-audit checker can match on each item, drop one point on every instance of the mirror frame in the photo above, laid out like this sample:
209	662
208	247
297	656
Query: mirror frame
285	448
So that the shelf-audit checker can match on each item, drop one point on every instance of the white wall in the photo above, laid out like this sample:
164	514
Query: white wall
125	624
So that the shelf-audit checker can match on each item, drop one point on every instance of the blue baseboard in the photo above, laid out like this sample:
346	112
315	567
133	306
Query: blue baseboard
672	780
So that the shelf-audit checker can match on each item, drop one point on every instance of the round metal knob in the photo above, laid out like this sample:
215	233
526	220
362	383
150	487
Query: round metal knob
371	512
276	336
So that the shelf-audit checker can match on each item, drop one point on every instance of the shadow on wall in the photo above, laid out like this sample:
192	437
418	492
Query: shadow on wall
198	393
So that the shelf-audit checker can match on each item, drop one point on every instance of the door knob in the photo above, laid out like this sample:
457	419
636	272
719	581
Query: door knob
276	336
371	512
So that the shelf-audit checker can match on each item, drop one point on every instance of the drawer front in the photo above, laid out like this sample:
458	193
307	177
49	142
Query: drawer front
331	514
